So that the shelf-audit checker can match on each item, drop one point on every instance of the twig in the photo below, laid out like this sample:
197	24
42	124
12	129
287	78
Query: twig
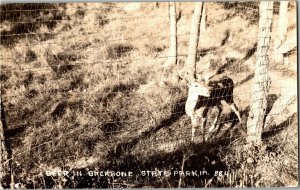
184	158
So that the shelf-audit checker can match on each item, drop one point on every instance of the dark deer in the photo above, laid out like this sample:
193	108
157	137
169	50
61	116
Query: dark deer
200	100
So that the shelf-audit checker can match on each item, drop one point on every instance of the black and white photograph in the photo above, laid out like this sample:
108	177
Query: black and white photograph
148	94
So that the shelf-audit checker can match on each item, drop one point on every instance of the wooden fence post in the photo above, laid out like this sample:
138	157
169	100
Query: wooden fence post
261	80
193	42
172	56
3	153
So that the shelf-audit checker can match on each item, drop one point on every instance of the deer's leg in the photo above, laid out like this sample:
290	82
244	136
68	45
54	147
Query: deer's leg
194	125
213	127
204	118
203	123
236	111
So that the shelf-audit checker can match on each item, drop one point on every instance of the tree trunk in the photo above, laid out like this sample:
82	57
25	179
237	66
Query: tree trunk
261	80
193	42
289	44
284	107
1	153
172	56
203	19
282	29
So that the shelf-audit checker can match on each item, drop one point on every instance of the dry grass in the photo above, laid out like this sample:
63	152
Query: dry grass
92	96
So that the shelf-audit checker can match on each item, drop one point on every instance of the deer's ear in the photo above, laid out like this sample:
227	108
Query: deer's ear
220	84
199	75
188	83
206	77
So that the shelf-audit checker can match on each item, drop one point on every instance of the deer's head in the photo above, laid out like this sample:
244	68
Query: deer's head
199	89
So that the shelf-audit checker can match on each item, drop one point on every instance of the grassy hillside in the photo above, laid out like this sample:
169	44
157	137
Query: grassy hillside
83	88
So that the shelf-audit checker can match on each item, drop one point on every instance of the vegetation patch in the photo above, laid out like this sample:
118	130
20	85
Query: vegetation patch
30	56
117	51
26	18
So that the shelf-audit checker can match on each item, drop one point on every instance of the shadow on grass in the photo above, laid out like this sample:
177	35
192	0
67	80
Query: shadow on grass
238	65
247	10
112	91
246	79
204	158
177	112
226	37
250	52
201	157
274	130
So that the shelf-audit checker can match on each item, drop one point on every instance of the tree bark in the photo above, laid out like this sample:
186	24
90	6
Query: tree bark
282	29
261	80
172	56
203	19
193	43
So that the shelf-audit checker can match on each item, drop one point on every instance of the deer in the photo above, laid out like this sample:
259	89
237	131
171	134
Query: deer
205	94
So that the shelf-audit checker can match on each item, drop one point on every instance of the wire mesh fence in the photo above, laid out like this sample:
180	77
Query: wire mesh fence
87	79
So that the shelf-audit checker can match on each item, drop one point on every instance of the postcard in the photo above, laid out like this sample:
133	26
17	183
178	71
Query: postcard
149	95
